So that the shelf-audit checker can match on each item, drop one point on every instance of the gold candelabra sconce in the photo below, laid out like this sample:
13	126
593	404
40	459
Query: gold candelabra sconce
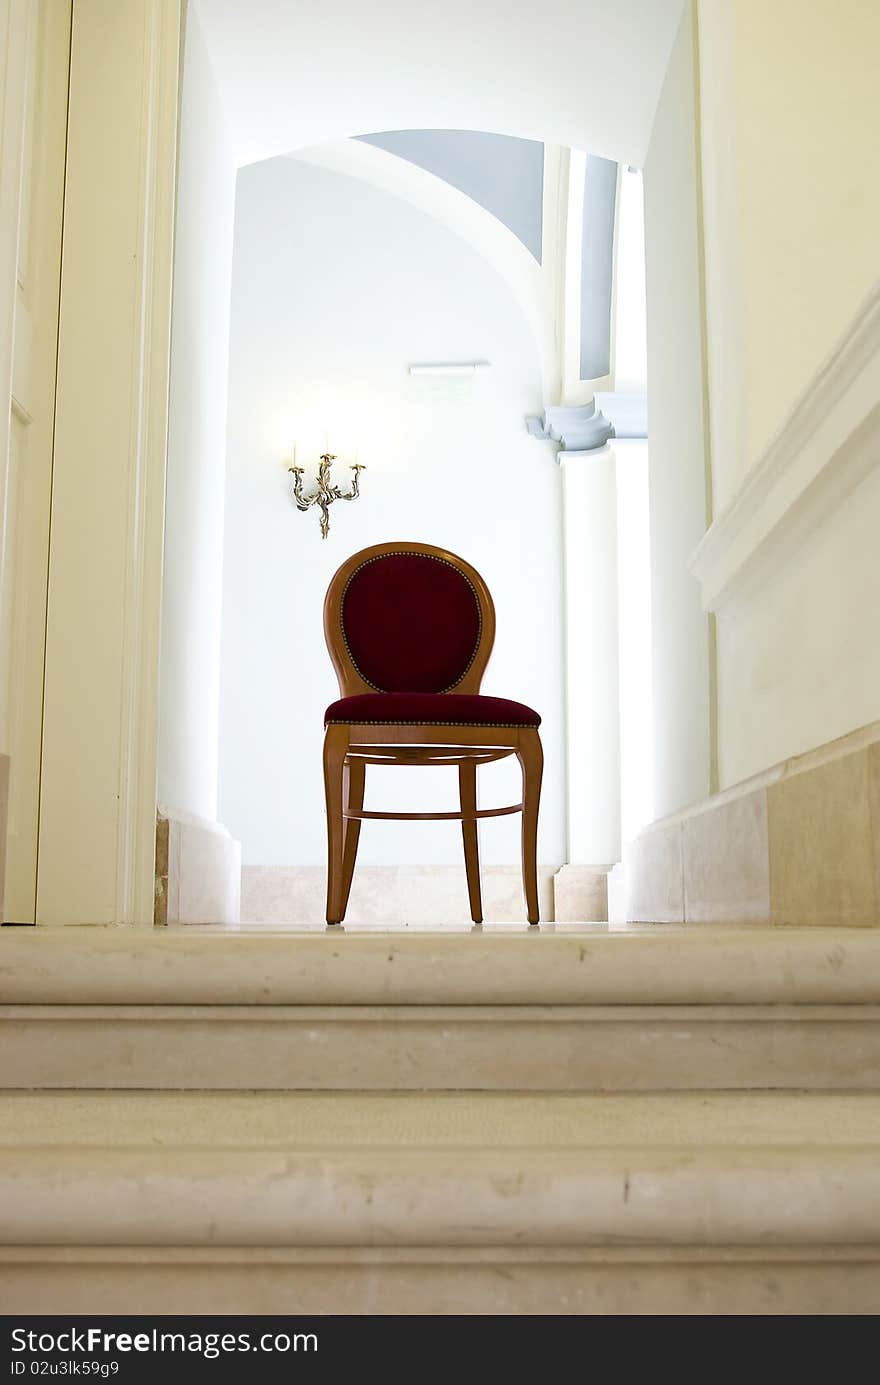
326	492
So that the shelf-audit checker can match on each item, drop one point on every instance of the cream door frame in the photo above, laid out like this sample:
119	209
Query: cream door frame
98	791
16	20
33	121
15	24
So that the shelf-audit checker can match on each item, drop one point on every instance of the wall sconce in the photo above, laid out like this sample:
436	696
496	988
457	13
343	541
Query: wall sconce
451	368
326	493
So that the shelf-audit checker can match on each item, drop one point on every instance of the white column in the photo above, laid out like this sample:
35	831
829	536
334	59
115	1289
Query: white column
193	583
683	731
634	637
203	881
592	673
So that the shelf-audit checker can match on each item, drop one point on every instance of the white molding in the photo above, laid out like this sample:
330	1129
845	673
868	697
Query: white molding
136	840
823	450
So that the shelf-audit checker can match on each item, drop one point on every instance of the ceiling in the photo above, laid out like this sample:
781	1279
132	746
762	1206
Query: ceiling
584	73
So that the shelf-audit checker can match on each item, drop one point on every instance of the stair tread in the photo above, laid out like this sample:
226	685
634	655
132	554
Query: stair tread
575	965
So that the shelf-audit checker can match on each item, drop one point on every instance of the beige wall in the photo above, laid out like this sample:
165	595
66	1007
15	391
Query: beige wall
791	220
798	660
791	163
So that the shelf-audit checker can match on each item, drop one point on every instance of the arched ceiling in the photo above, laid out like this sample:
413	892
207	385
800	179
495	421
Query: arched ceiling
584	73
504	174
533	284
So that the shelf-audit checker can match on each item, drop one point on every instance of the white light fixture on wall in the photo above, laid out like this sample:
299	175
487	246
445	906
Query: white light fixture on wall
451	368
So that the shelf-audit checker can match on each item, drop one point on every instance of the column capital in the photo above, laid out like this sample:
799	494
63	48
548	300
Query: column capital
575	427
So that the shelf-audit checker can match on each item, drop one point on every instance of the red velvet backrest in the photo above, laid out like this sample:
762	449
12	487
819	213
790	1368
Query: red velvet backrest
411	618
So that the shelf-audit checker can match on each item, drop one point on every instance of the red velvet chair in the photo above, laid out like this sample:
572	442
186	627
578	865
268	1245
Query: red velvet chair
410	629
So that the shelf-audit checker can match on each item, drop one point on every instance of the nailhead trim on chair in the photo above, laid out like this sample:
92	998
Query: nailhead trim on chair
411	553
493	725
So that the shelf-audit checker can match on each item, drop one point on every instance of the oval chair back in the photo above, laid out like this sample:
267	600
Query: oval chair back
408	617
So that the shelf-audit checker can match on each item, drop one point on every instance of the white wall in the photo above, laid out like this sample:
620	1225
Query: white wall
682	720
535	286
337	288
192	599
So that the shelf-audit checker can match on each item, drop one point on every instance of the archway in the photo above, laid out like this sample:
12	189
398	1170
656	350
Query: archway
545	288
99	866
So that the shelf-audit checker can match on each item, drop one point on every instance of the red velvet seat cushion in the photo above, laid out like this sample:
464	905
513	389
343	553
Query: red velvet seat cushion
432	709
410	621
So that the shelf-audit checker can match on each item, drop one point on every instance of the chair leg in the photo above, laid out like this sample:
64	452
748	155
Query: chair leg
352	795
531	758
335	748
467	792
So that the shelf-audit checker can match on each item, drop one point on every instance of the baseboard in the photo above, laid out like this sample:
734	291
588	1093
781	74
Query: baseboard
393	895
797	845
580	894
198	871
423	894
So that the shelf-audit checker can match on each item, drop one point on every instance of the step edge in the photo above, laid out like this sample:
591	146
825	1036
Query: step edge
699	1195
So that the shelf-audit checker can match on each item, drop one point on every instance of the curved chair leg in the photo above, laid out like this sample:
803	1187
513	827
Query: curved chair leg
353	796
467	792
531	758
335	748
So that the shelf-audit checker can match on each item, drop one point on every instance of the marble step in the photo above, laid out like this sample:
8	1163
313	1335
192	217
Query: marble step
557	964
440	1202
482	1047
574	1009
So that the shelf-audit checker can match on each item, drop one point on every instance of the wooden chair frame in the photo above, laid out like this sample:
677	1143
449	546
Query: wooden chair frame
350	747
